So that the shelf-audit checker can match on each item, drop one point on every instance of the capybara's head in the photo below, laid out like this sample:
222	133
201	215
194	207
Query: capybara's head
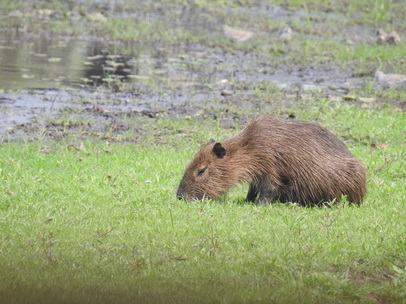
206	175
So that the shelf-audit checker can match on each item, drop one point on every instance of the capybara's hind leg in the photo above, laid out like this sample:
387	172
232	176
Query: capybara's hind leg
252	193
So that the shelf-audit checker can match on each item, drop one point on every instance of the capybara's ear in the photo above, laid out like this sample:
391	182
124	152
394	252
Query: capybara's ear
211	141
219	150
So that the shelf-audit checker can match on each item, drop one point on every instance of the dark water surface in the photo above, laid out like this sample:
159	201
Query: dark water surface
46	62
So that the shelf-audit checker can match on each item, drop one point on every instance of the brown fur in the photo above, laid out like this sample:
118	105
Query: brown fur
293	161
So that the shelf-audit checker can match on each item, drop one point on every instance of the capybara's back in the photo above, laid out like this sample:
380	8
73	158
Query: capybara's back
283	160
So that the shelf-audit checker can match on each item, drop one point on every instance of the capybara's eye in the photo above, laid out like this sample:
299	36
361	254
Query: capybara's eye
201	171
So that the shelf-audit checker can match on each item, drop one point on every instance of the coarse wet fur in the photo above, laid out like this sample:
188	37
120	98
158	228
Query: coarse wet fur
285	160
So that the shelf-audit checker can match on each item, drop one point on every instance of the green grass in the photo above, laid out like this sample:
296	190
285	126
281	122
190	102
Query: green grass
87	221
97	222
322	29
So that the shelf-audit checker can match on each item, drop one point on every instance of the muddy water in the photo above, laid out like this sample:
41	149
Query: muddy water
46	63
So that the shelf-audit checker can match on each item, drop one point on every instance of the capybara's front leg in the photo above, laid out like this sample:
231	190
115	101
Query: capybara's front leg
266	193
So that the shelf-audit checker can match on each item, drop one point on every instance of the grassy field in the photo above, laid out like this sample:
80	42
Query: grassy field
90	215
97	222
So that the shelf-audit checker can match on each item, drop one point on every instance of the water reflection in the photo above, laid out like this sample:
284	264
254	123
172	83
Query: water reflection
33	58
46	63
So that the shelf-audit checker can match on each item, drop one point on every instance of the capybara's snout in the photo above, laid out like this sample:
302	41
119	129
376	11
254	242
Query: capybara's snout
180	194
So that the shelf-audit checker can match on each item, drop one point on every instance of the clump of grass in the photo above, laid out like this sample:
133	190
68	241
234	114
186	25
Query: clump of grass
372	11
129	29
374	55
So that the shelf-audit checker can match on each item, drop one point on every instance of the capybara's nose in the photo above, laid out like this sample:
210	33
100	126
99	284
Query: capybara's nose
180	194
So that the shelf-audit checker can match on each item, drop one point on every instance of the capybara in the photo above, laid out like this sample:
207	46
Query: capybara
282	160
